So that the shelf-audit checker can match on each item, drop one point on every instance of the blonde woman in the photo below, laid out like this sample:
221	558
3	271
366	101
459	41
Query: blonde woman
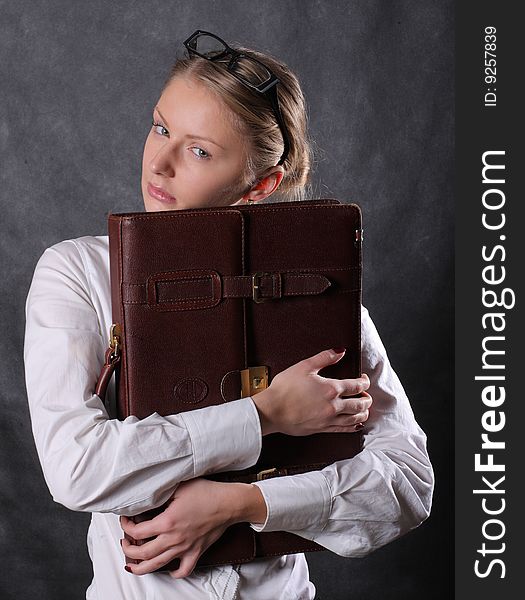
229	127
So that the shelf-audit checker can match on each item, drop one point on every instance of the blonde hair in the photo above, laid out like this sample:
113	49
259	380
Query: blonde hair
254	119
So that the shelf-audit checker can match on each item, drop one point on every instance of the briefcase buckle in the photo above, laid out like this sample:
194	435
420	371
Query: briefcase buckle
253	380
256	287
266	474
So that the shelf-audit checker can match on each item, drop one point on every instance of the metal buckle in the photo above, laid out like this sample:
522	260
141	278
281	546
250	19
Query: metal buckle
256	290
262	475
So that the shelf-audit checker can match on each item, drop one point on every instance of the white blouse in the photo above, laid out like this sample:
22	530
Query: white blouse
98	464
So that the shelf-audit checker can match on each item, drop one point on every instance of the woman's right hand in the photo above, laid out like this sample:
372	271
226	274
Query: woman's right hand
300	402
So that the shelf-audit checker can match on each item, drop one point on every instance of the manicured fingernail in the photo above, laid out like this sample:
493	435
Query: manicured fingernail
338	350
128	569
359	426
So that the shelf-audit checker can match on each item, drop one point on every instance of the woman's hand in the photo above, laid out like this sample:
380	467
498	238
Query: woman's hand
197	515
300	402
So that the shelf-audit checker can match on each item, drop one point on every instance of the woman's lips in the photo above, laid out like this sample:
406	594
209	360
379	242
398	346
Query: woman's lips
160	194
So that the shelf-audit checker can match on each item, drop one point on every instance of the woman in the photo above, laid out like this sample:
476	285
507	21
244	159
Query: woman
224	132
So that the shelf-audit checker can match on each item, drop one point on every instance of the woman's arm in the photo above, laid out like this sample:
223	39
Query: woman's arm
93	463
357	505
351	507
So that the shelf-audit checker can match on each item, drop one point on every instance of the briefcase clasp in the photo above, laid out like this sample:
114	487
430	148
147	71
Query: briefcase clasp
256	287
253	380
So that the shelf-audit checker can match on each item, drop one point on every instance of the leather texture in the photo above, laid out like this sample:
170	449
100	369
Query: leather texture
193	315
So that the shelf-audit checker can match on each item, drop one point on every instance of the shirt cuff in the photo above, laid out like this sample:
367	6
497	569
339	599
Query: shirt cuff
295	502
226	437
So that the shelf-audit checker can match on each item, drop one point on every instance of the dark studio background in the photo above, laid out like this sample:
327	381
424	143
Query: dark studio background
78	82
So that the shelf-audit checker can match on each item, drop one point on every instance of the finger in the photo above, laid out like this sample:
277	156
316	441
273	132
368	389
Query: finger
352	406
353	387
145	551
350	421
367	380
347	388
148	566
145	529
187	564
322	359
344	428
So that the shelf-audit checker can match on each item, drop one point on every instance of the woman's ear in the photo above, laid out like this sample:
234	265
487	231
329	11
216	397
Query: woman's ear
265	185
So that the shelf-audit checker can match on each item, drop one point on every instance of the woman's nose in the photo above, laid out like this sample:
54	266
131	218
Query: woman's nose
162	161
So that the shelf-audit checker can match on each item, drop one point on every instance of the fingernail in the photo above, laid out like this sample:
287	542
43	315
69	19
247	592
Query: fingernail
128	569
359	426
338	350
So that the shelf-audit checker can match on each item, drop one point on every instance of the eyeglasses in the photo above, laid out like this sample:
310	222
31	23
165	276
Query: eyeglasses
248	70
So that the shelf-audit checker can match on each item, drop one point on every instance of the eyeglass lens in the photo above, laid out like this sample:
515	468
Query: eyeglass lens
207	45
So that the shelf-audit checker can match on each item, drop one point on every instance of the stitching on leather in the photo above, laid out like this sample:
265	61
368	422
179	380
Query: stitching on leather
222	383
237	211
181	280
244	334
298	271
180	216
193	298
122	314
198	302
335	290
161	308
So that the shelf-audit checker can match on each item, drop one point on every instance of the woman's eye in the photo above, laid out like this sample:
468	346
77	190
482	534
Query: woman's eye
199	152
154	124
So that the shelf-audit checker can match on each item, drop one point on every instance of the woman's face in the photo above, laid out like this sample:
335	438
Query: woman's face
193	156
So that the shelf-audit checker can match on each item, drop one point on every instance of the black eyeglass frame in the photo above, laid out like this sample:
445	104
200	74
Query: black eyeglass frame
267	88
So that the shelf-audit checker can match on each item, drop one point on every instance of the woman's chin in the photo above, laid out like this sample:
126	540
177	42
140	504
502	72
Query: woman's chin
152	205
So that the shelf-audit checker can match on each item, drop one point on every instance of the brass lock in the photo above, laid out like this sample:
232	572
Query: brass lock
253	380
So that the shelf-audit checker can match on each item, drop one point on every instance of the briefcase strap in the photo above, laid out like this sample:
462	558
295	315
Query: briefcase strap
205	288
262	286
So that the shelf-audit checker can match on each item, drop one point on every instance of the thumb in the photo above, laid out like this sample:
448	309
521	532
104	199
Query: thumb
322	359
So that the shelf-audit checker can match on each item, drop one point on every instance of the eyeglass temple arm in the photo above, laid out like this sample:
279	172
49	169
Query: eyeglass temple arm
274	99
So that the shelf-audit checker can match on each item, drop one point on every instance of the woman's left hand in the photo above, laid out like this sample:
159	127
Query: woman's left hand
197	515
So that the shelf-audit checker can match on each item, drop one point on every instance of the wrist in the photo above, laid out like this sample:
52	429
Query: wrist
263	403
247	504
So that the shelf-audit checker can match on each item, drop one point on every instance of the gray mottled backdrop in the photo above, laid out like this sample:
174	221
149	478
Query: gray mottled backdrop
78	82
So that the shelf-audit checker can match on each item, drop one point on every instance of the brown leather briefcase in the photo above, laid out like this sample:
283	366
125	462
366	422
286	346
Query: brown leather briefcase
209	304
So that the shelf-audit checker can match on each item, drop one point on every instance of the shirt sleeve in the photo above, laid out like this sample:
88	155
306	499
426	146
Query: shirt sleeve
91	462
355	506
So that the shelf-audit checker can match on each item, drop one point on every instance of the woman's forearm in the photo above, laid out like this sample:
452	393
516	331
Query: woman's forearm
93	463
246	502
